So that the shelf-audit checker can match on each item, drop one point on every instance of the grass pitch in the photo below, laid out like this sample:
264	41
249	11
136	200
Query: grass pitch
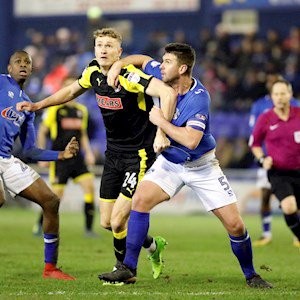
199	262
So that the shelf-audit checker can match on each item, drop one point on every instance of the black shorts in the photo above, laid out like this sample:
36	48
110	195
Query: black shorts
122	172
285	183
61	171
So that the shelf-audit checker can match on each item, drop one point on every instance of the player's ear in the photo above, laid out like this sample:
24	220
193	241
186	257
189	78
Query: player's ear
9	68
120	52
182	69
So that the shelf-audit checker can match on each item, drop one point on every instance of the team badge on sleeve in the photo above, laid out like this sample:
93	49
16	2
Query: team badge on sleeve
133	77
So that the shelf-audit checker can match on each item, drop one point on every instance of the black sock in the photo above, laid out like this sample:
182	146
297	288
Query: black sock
293	223
89	210
120	248
40	220
148	241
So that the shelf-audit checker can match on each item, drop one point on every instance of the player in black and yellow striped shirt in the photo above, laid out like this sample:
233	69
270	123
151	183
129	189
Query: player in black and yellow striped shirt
63	122
130	135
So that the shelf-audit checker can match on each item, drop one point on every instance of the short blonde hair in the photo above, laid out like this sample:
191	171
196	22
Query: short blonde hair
111	32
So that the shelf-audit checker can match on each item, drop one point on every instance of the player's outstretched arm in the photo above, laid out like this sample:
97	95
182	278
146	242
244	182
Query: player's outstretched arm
64	95
137	60
70	151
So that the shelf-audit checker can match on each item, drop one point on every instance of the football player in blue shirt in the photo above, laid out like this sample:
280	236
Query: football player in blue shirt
190	160
260	106
19	178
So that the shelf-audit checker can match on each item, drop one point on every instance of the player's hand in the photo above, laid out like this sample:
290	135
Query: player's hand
156	115
161	142
71	149
25	105
267	163
113	74
90	158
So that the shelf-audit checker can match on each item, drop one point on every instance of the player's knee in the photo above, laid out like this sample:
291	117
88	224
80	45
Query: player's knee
51	205
237	227
2	201
140	202
118	223
105	224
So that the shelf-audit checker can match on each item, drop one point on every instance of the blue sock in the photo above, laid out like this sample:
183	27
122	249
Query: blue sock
266	218
242	249
51	248
137	231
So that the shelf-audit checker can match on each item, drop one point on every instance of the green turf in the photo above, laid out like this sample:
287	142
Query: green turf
199	262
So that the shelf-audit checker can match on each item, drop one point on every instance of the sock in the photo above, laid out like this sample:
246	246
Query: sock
148	241
120	244
51	247
149	244
242	249
40	220
293	222
138	226
266	218
89	210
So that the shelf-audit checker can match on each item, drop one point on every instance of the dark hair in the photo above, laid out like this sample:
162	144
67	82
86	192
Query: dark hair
17	52
287	83
185	54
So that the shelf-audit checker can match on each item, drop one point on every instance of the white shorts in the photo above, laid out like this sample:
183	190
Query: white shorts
262	181
203	176
17	176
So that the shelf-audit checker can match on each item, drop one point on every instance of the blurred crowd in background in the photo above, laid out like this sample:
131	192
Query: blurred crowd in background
233	68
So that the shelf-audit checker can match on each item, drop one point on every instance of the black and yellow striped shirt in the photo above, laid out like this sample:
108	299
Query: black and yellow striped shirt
64	122
125	110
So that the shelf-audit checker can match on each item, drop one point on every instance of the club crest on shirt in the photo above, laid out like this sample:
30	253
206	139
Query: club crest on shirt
10	114
297	137
200	117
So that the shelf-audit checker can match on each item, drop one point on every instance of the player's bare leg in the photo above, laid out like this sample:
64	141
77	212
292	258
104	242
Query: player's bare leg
86	182
41	194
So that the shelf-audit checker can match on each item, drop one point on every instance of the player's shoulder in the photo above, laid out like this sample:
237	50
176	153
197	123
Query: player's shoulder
4	79
199	90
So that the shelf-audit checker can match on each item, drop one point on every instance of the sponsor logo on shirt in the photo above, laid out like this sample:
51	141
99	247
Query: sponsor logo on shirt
10	114
154	64
11	94
109	103
71	124
273	127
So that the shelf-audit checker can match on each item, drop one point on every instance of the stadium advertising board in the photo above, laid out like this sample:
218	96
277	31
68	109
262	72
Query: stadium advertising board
233	4
35	8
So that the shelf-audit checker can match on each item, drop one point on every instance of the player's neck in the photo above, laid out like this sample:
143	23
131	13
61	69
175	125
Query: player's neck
183	85
283	113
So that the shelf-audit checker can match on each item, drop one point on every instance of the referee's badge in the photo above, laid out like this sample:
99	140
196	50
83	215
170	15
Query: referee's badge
297	137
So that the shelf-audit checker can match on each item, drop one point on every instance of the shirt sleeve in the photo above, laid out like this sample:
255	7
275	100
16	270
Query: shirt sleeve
259	132
199	119
85	79
153	68
134	80
28	137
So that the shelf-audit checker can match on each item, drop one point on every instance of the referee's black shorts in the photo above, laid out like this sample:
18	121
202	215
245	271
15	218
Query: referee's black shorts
285	183
122	172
